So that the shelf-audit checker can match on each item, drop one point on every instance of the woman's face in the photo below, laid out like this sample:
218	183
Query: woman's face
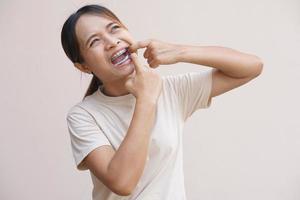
99	39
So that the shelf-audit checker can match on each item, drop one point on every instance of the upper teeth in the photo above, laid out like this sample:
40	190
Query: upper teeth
118	54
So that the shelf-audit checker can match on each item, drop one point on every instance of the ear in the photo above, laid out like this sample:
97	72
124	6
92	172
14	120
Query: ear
82	67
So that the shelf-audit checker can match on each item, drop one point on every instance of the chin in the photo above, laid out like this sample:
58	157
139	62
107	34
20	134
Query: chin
129	69
125	71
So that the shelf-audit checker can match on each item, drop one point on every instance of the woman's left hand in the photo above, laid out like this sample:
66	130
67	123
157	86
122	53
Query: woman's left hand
158	52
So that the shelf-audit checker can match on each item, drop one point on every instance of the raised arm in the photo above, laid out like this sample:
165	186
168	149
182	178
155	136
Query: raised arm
231	67
121	170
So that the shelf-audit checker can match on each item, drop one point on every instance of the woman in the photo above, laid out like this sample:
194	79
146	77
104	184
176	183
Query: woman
128	128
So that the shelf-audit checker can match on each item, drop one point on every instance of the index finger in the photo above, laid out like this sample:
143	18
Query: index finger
138	45
137	65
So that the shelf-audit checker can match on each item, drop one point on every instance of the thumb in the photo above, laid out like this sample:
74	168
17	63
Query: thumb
136	62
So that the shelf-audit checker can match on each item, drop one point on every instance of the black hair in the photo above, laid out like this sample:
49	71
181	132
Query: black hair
69	39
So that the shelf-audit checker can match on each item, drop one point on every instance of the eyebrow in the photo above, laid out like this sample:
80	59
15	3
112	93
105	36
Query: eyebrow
95	34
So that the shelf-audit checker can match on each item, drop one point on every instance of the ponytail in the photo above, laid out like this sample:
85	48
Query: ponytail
93	87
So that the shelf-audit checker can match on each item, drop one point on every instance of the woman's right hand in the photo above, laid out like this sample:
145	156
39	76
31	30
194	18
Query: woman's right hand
146	84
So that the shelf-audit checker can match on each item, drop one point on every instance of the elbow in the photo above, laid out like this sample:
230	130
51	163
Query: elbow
257	67
123	191
120	184
122	187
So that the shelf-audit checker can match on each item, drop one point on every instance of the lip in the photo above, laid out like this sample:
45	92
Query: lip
124	64
117	51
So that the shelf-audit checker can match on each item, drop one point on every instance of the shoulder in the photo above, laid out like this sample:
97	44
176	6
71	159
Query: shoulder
80	109
170	80
183	80
185	76
77	114
84	106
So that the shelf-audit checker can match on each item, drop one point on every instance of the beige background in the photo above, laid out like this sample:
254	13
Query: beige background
245	146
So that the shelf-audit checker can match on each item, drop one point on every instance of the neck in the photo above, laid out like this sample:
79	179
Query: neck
115	89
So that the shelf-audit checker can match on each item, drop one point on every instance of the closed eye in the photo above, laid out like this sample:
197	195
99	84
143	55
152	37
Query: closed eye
116	26
93	42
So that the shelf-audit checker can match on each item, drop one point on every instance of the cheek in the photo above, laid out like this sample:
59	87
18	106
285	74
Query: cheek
96	57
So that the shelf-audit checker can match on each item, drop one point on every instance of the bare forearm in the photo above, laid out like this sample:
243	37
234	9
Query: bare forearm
231	62
128	163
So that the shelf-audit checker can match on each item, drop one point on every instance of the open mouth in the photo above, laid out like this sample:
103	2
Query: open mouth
120	57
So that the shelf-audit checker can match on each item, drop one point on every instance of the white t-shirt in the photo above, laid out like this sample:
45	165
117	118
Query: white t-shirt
104	120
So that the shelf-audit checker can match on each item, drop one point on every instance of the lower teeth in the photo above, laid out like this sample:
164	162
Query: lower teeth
126	57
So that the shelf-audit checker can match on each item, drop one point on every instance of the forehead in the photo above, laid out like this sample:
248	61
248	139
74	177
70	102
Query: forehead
88	24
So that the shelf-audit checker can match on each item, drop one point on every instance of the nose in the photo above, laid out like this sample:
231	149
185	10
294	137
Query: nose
111	42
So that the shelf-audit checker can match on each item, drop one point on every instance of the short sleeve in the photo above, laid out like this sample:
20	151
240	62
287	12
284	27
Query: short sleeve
85	134
192	91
